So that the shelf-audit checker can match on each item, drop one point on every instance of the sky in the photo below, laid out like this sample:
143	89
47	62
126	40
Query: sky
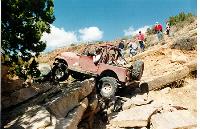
105	20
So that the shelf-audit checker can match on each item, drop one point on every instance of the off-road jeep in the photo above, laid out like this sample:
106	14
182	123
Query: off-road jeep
107	73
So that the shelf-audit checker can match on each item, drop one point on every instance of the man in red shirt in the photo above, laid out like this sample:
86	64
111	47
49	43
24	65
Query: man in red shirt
158	29
140	38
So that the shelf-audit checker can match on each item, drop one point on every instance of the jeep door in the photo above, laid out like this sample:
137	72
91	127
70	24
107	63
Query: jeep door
86	64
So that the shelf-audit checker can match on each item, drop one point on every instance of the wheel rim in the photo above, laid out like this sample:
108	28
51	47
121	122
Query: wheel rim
107	88
59	73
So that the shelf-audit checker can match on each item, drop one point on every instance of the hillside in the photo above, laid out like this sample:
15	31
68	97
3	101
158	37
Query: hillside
178	32
169	71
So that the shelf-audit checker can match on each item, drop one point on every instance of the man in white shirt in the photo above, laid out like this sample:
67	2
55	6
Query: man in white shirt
97	56
133	48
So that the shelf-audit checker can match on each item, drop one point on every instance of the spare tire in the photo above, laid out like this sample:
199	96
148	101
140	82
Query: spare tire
137	70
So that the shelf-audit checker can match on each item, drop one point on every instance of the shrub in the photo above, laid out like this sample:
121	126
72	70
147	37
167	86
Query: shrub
173	20
72	45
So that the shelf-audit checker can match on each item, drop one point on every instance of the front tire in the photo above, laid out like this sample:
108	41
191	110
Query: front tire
108	86
60	72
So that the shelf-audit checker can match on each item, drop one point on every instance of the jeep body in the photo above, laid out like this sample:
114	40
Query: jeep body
80	65
84	64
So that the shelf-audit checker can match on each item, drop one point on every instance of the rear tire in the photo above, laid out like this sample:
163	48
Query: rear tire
108	86
137	70
60	72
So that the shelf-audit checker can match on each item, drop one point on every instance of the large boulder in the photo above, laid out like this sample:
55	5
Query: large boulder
60	105
73	118
159	81
135	101
34	117
134	117
178	119
24	94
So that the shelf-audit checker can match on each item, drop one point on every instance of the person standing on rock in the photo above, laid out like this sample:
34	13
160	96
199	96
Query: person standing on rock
158	29
167	28
140	38
133	48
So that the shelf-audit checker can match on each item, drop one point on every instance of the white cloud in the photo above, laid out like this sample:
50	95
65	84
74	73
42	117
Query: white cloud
90	34
132	31
58	38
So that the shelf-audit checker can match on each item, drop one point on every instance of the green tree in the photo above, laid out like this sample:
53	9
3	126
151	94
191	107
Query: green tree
23	22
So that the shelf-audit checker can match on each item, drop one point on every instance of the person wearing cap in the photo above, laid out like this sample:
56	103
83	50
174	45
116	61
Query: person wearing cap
158	29
140	38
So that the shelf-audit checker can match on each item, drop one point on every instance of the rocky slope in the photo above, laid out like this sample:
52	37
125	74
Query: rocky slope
170	67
